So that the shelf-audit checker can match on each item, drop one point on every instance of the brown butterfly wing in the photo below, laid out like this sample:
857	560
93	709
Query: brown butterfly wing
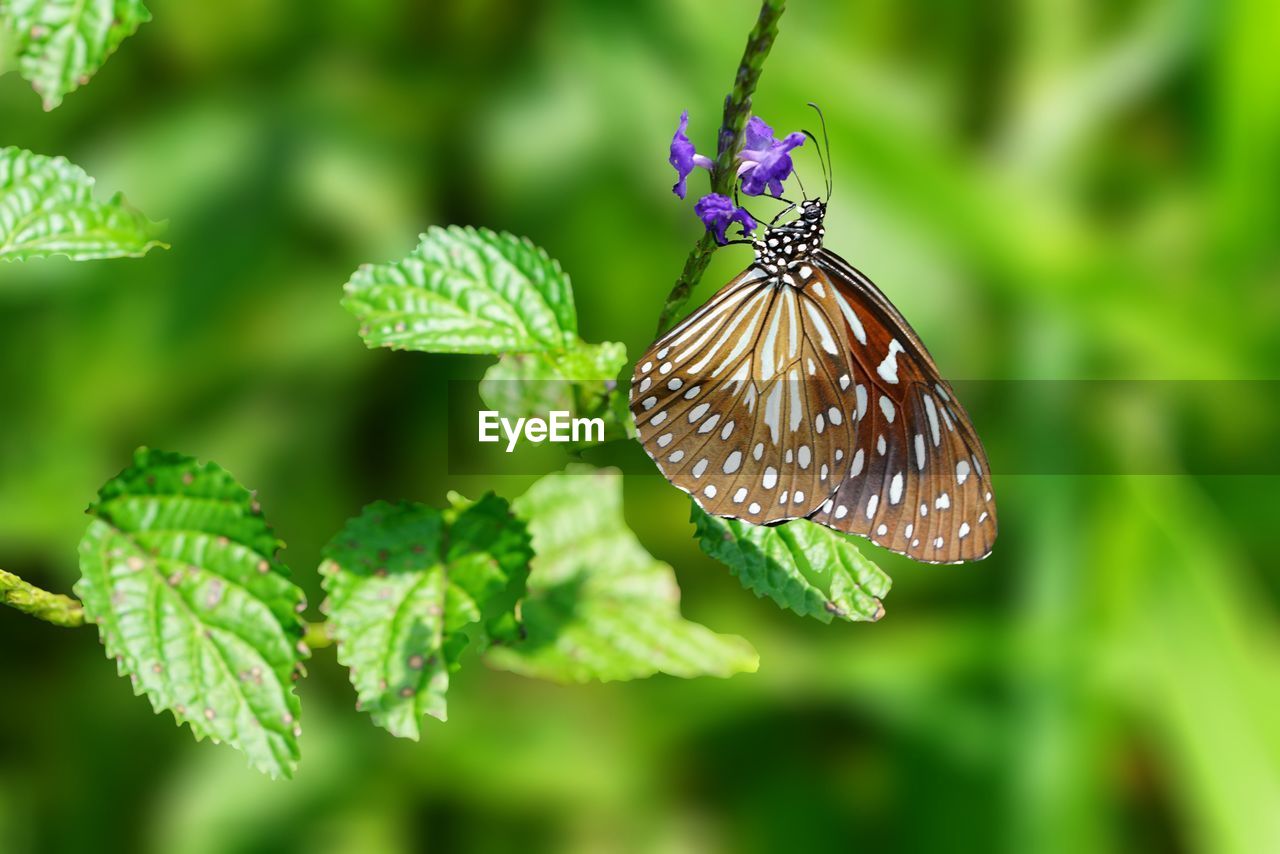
739	404
918	482
774	402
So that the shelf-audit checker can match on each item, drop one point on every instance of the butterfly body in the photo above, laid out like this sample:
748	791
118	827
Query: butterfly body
799	391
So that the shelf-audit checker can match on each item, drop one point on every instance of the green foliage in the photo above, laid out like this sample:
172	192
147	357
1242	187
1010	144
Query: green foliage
58	45
1090	194
582	380
466	291
179	571
47	208
409	588
803	566
600	607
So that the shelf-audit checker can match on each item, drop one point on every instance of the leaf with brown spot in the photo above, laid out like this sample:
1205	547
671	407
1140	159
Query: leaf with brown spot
171	574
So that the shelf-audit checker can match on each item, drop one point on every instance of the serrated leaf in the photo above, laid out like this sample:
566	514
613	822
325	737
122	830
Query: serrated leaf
803	566
179	571
60	44
465	290
47	208
582	380
600	607
409	588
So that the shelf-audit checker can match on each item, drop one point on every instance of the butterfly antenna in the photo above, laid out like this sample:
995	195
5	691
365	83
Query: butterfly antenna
818	148
799	181
738	202
826	144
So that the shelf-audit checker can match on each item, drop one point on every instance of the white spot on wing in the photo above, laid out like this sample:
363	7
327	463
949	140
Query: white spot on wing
888	369
854	323
855	468
773	412
797	409
819	322
932	412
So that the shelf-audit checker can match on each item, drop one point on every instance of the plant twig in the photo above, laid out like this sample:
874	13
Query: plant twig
68	612
317	635
41	604
737	107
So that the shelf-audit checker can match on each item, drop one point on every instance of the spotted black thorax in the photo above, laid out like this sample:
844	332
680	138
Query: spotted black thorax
786	249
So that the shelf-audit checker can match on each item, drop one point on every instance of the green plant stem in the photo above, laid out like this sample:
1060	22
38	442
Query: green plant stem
737	108
69	613
41	604
317	635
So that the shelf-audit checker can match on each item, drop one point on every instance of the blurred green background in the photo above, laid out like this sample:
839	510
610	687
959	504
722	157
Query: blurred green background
1049	190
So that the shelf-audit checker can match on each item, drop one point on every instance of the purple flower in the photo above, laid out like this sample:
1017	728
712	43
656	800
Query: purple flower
765	162
717	212
684	157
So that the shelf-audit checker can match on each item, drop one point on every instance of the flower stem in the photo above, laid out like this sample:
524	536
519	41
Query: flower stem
737	108
41	604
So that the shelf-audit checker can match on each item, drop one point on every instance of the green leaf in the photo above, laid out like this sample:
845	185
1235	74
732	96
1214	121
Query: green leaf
466	291
803	566
582	380
409	588
47	208
60	44
179	571
600	607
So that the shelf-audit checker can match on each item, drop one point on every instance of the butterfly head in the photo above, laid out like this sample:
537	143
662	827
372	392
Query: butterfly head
783	248
813	210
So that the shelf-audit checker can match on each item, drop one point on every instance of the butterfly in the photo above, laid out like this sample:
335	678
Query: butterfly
798	391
